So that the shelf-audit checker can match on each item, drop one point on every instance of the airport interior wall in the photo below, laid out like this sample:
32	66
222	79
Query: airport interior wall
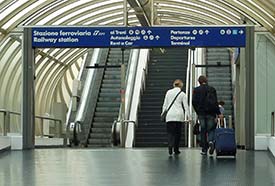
265	86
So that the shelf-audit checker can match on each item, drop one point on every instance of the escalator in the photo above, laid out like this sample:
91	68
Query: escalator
90	120
220	77
163	69
108	101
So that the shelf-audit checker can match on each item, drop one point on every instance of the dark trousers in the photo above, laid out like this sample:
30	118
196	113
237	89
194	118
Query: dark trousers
174	134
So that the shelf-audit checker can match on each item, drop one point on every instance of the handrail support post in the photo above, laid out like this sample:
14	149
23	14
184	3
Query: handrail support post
42	127
6	122
272	123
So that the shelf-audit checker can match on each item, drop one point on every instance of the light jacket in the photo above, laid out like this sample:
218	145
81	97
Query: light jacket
176	112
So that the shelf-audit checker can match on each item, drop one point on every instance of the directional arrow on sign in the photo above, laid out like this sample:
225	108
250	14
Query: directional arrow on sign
206	32
157	37
143	32
149	32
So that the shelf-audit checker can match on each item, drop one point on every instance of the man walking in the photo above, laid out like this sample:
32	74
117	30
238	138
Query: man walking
206	106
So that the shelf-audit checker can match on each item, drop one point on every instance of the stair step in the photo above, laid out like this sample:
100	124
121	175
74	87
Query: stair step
101	130
171	57
106	114
100	135
103	142
218	79
107	109
111	86
99	145
102	124
112	96
156	97
111	81
214	84
151	144
108	104
152	138
156	130
157	141
109	99
112	72
110	90
105	119
151	134
218	70
146	113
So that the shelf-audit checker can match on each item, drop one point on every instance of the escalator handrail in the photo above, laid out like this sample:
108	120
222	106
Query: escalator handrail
138	88
68	115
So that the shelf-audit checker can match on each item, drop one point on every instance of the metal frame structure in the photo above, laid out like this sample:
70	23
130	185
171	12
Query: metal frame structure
59	63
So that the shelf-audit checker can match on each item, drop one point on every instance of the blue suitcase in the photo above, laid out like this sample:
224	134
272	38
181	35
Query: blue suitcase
225	143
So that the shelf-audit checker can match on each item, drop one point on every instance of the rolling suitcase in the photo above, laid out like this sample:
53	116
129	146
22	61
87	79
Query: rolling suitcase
225	144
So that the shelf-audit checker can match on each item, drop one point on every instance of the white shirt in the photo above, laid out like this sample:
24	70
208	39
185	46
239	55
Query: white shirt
176	112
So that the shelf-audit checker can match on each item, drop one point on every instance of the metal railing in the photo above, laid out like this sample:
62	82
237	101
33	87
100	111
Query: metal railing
119	133
119	137
7	116
135	87
190	83
272	123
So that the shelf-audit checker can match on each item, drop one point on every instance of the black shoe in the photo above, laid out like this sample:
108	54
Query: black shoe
211	147
170	150
177	152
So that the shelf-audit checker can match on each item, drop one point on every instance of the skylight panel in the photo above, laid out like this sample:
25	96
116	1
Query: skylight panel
221	8
94	13
22	13
12	8
62	53
207	9
238	10
175	21
103	17
40	13
88	8
112	20
61	11
263	10
255	13
196	11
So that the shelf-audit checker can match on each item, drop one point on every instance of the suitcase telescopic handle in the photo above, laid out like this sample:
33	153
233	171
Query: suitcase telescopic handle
219	123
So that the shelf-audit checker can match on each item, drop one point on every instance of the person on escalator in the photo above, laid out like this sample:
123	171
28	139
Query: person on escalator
176	106
221	107
206	106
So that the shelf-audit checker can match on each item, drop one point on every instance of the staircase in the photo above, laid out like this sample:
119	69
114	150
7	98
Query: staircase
220	77
108	102
163	69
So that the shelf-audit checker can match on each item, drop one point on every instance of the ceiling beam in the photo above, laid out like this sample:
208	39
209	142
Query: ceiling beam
143	10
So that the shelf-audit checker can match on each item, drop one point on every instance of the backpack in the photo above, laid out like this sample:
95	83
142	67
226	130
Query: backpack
211	101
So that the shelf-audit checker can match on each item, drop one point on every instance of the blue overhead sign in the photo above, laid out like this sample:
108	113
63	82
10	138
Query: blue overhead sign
138	37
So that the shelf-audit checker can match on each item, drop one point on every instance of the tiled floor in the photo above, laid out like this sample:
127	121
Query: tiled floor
133	167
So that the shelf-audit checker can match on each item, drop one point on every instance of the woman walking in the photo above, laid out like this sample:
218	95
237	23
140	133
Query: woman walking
176	106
